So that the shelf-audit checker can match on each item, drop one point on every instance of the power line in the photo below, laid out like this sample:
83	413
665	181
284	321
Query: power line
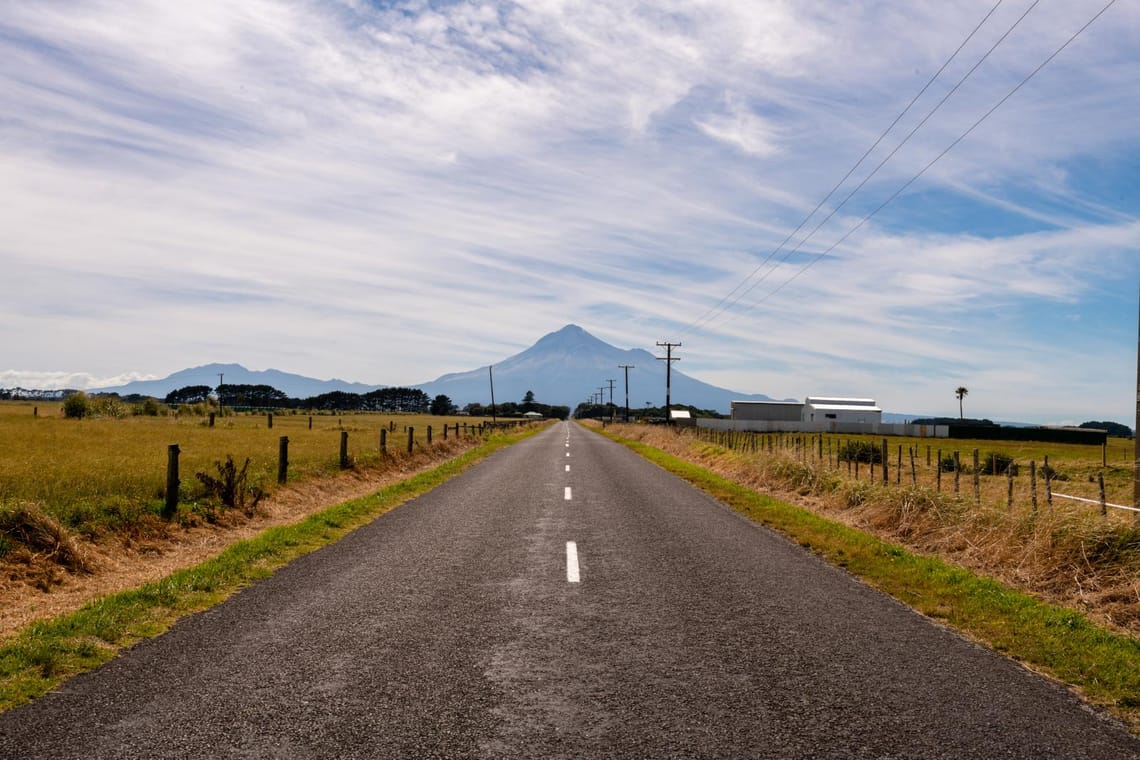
711	312
890	155
935	160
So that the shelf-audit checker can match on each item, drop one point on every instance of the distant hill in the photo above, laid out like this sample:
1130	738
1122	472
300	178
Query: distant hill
567	366
294	386
563	368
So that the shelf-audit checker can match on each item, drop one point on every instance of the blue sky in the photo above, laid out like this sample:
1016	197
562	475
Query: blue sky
385	192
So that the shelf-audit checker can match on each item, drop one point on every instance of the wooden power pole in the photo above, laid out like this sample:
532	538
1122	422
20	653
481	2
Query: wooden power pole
668	358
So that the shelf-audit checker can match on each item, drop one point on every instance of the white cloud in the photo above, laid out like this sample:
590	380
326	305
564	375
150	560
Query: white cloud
387	194
13	378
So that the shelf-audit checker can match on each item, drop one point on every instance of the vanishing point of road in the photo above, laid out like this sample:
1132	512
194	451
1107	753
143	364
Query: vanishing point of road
564	598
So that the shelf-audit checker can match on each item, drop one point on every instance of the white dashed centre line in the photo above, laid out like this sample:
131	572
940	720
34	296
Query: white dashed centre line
567	468
566	495
572	575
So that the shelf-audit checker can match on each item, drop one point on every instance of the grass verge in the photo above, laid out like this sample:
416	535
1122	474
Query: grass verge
46	653
1104	666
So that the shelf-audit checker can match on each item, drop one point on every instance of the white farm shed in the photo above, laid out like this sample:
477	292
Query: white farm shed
832	409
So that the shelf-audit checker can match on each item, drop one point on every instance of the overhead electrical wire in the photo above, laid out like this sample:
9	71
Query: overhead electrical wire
889	156
935	160
712	312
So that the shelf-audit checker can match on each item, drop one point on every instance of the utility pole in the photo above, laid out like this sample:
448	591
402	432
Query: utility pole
491	375
628	367
668	358
221	382
611	381
1136	430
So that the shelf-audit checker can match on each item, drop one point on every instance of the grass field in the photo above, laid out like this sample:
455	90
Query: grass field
1075	467
97	475
1068	553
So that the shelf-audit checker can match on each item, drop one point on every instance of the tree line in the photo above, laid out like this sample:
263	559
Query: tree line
240	395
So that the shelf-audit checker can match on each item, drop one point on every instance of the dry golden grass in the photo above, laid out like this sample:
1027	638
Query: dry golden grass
48	568
1067	553
66	484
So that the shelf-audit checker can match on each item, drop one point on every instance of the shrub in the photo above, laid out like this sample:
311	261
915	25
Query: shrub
76	406
860	451
148	408
996	463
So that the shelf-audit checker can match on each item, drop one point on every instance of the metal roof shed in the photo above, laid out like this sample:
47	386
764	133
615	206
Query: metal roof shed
838	409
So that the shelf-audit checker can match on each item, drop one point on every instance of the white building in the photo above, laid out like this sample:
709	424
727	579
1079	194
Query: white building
836	410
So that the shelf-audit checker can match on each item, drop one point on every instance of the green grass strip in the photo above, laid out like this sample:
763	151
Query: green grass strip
1054	640
44	654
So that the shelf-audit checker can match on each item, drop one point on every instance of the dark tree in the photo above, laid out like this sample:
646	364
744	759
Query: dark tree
442	405
189	394
1114	429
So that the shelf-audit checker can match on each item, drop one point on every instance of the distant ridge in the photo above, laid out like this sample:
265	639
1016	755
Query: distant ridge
564	367
294	386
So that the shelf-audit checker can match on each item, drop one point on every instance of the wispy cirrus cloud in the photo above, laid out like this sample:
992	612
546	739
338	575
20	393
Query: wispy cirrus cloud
386	192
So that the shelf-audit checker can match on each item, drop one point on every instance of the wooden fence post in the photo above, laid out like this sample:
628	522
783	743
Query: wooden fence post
445	431
1009	484
384	440
310	422
1048	484
1100	486
886	456
172	482
35	411
411	438
429	435
898	468
938	473
977	482
913	473
211	419
283	459
269	420
957	472
1033	484
344	449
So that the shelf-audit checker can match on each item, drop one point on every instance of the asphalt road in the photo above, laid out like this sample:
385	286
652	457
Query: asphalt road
459	625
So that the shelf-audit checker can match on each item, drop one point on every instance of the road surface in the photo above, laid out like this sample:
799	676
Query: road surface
564	598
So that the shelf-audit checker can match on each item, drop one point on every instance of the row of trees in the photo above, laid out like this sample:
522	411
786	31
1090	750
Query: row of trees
382	400
268	397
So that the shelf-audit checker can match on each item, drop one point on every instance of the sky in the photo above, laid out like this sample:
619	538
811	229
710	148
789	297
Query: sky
384	192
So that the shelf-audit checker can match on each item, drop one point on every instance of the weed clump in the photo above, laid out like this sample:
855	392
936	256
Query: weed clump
230	490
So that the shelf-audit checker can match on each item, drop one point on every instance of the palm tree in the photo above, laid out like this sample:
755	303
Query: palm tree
961	392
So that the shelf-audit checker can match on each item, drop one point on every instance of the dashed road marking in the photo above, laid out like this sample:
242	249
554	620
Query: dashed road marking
567	468
572	575
566	494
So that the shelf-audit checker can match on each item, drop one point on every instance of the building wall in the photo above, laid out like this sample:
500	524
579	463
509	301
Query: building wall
767	410
844	428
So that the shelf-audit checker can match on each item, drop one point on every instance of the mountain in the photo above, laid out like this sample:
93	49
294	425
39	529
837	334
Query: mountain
567	366
294	386
562	368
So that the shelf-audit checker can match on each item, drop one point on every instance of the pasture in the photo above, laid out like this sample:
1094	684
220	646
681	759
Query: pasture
94	475
1067	552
